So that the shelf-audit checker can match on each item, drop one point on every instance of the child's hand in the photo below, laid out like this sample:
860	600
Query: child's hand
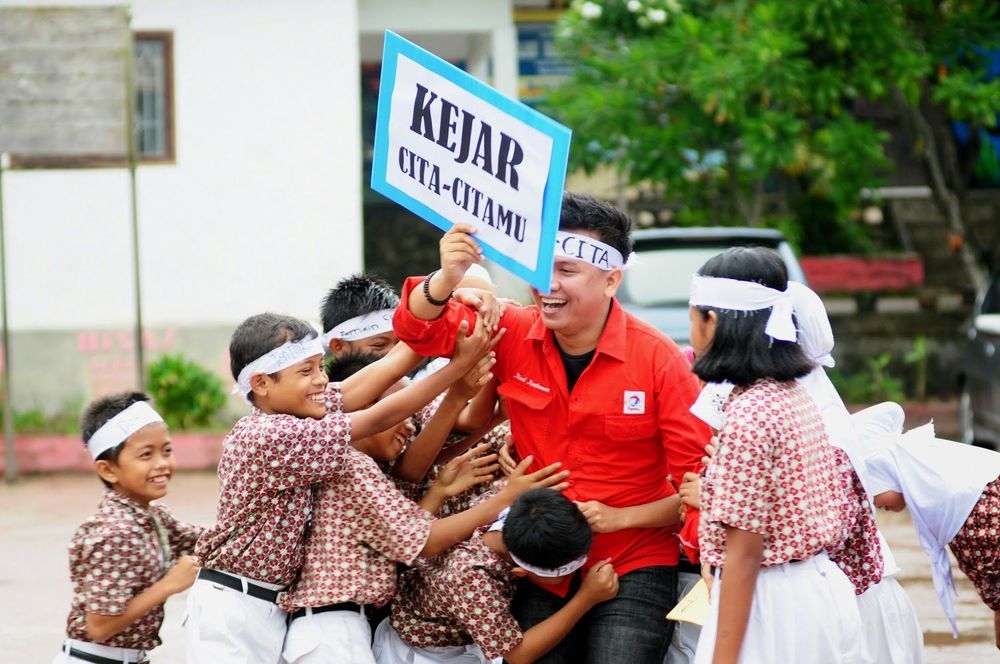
474	380
508	456
470	348
486	304
690	491
600	583
182	575
547	477
710	449
602	518
466	471
458	251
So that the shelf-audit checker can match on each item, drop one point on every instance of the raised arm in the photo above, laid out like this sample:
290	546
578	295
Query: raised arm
369	383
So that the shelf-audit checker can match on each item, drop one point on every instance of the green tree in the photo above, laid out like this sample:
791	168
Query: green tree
716	101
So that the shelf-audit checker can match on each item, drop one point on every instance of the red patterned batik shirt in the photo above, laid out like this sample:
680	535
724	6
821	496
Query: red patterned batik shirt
774	474
459	597
977	546
269	463
362	526
117	554
861	554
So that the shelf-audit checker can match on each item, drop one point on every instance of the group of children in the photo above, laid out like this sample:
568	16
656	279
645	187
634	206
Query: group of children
360	518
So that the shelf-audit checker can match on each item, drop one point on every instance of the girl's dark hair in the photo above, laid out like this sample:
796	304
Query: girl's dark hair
741	352
97	415
545	529
261	334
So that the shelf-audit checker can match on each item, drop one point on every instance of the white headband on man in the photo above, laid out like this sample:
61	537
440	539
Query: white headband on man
738	295
361	327
547	573
588	250
117	430
282	357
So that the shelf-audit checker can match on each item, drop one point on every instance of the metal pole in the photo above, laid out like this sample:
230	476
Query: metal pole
134	207
8	411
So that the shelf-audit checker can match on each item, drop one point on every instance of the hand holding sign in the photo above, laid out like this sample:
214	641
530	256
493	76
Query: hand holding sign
458	252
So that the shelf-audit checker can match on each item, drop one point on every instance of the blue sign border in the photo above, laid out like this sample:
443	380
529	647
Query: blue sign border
395	46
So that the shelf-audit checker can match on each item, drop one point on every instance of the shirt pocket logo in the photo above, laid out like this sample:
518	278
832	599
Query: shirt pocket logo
634	403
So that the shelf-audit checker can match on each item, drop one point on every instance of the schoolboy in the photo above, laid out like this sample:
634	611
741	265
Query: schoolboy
296	435
127	559
363	526
457	607
357	316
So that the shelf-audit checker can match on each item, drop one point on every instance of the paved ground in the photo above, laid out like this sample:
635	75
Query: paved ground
38	516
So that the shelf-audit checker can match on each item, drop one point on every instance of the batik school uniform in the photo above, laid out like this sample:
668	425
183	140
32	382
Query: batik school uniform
114	556
952	493
775	474
256	548
362	527
454	607
860	556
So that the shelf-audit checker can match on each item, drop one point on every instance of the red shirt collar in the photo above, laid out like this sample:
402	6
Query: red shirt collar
612	341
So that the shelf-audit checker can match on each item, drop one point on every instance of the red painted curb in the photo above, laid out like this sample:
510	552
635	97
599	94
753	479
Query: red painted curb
857	273
52	454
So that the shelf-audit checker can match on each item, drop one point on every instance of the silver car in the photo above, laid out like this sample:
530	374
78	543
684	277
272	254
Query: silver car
658	281
979	403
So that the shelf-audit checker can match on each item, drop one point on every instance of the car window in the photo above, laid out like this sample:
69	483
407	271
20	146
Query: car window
663	276
991	301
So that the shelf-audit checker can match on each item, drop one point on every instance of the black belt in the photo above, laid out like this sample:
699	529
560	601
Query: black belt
223	579
343	606
96	659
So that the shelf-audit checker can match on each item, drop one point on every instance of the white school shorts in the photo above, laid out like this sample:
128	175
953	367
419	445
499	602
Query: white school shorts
892	633
124	655
333	637
685	638
390	649
225	626
802	613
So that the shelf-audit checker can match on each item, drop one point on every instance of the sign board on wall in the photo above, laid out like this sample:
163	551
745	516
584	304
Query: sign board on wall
454	150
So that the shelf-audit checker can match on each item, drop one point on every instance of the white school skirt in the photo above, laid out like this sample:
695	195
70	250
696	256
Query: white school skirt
389	648
892	633
224	626
332	637
802	613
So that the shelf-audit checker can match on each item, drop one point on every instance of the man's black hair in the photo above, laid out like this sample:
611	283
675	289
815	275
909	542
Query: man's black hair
97	415
545	529
741	352
582	212
260	334
345	365
356	295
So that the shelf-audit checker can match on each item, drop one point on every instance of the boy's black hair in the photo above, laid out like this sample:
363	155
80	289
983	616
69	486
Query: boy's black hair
356	295
585	213
545	529
261	334
741	352
97	415
342	367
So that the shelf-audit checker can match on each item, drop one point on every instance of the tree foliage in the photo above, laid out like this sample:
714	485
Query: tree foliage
718	101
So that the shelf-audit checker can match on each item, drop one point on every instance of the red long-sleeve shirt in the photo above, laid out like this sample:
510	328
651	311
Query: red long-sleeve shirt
624	429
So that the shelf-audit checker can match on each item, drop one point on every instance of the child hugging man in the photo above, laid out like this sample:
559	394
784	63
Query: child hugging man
456	607
296	435
127	559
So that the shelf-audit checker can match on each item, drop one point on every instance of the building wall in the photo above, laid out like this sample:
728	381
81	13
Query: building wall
260	211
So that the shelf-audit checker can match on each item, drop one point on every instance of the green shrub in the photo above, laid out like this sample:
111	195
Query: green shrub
187	395
871	385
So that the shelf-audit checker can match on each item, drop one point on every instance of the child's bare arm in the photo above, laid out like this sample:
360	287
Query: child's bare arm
606	519
100	627
369	383
743	555
599	585
480	409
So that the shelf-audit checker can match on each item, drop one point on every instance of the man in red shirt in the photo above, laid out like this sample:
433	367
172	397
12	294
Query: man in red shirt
591	386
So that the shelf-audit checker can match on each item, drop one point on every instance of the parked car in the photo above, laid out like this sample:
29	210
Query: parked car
656	285
979	381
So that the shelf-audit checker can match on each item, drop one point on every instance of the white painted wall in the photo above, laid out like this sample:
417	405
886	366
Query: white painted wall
262	209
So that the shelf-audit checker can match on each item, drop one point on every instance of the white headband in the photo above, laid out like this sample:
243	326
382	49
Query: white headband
117	430
588	250
282	357
361	327
738	295
555	572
